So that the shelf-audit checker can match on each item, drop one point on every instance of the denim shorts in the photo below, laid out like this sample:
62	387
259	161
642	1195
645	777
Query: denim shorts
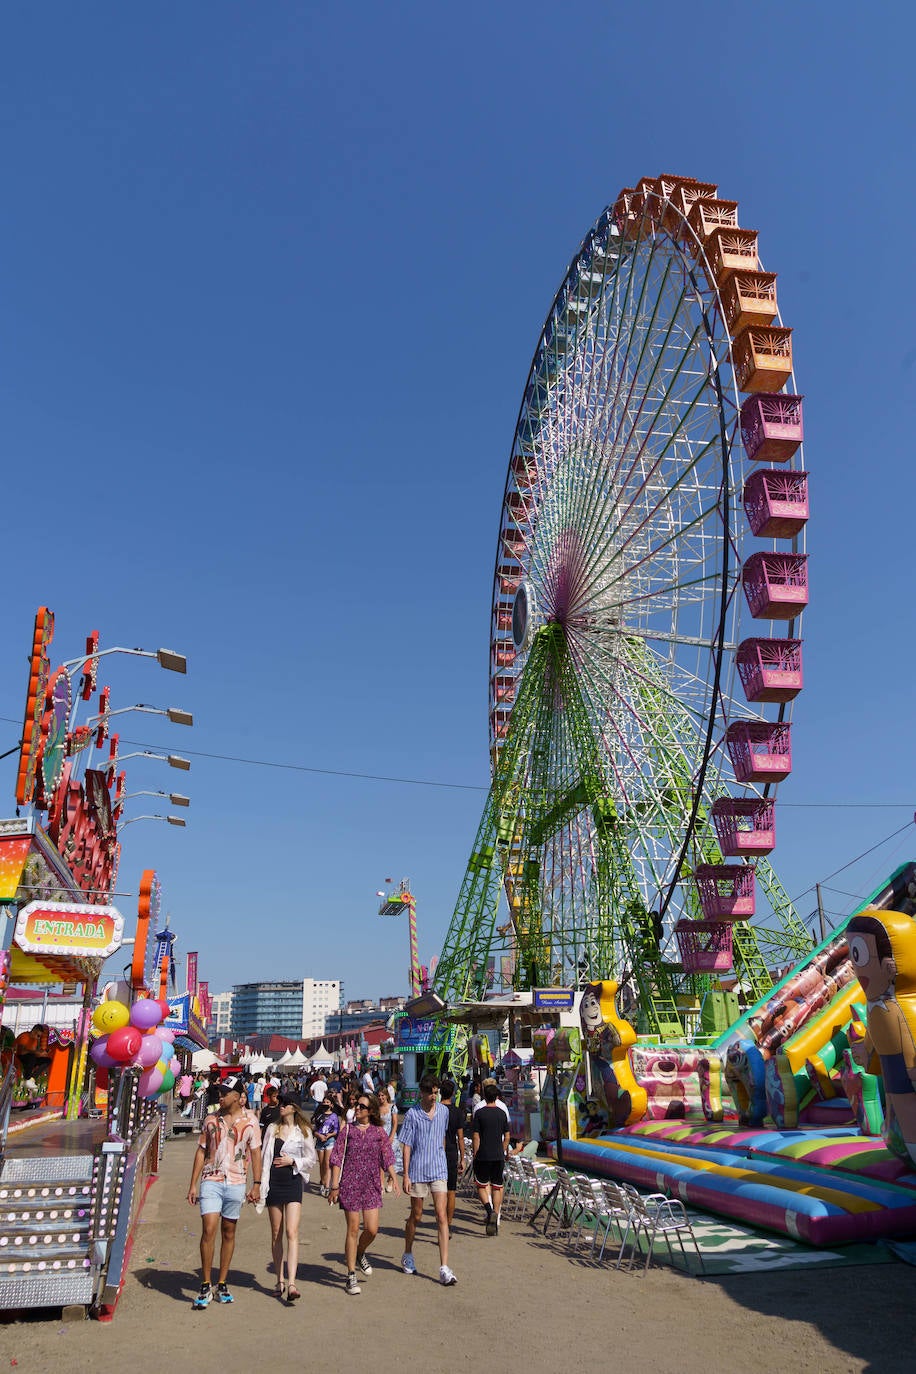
224	1198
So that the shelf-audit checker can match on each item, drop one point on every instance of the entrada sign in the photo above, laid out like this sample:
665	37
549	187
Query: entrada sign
69	928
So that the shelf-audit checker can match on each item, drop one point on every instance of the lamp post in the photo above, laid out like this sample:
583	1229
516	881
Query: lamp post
88	663
176	798
166	658
175	715
173	760
172	820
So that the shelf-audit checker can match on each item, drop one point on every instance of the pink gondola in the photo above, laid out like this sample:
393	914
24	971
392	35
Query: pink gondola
776	502
776	585
726	891
705	946
760	751
772	426
745	826
770	669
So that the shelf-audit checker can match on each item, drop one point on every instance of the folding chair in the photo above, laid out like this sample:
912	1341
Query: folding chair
540	1179
657	1215
617	1213
466	1182
588	1218
515	1185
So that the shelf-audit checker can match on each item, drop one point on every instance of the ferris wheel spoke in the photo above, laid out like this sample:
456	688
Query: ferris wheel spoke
621	405
658	589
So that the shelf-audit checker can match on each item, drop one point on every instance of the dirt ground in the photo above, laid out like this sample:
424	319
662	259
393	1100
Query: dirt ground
520	1304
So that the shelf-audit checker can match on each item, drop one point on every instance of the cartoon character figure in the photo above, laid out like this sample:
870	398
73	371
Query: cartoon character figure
594	1123
601	1036
618	1101
667	1098
882	945
605	1035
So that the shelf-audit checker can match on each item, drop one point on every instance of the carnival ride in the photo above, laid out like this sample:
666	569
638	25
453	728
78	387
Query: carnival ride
393	905
636	738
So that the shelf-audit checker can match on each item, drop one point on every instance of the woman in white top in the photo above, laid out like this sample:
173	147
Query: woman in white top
388	1115
288	1154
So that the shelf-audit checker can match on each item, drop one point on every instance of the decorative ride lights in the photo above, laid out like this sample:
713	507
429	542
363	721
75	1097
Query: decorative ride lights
82	813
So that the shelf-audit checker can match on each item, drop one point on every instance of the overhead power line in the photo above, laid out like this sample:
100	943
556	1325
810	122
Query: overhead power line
451	786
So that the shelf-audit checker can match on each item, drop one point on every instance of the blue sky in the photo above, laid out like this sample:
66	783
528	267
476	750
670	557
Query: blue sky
271	280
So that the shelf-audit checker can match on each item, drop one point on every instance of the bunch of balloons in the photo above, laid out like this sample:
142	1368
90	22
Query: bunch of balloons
133	1037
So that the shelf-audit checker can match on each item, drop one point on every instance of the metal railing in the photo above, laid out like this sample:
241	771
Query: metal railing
6	1105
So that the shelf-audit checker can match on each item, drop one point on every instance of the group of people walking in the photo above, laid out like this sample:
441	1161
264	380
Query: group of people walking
352	1136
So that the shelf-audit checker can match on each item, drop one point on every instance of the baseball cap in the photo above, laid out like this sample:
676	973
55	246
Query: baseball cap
232	1084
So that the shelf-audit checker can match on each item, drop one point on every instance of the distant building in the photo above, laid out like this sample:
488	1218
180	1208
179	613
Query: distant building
320	998
390	1004
297	1010
339	1022
220	1014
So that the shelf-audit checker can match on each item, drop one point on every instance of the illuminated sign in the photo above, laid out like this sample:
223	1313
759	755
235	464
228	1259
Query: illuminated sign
418	1035
184	1020
54	725
179	1013
69	928
147	918
554	999
13	854
39	670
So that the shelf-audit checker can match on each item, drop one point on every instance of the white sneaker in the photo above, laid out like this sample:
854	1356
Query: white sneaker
446	1276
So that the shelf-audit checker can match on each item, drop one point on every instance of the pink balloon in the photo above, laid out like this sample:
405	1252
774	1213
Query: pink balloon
150	1083
165	1035
175	1064
149	1052
99	1055
145	1014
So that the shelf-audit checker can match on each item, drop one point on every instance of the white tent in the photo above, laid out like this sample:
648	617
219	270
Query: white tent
283	1060
296	1059
259	1063
202	1059
321	1059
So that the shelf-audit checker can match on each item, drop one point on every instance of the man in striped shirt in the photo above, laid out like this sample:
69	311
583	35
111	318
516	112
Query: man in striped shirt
425	1172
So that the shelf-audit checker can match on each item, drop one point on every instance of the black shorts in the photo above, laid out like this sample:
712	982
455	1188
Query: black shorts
490	1171
451	1170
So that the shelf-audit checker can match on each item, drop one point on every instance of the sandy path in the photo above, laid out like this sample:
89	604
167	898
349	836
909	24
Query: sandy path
520	1304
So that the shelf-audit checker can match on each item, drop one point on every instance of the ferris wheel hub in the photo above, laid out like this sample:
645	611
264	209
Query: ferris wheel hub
524	614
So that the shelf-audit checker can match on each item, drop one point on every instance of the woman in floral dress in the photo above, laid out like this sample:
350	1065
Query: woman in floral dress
362	1152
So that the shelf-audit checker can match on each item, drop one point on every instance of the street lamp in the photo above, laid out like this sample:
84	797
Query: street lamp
175	798
171	820
176	716
166	658
173	760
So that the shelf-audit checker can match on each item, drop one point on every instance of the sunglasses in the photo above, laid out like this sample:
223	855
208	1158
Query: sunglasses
362	1106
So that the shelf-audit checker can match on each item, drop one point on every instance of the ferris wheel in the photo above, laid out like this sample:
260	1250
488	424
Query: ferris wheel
645	646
